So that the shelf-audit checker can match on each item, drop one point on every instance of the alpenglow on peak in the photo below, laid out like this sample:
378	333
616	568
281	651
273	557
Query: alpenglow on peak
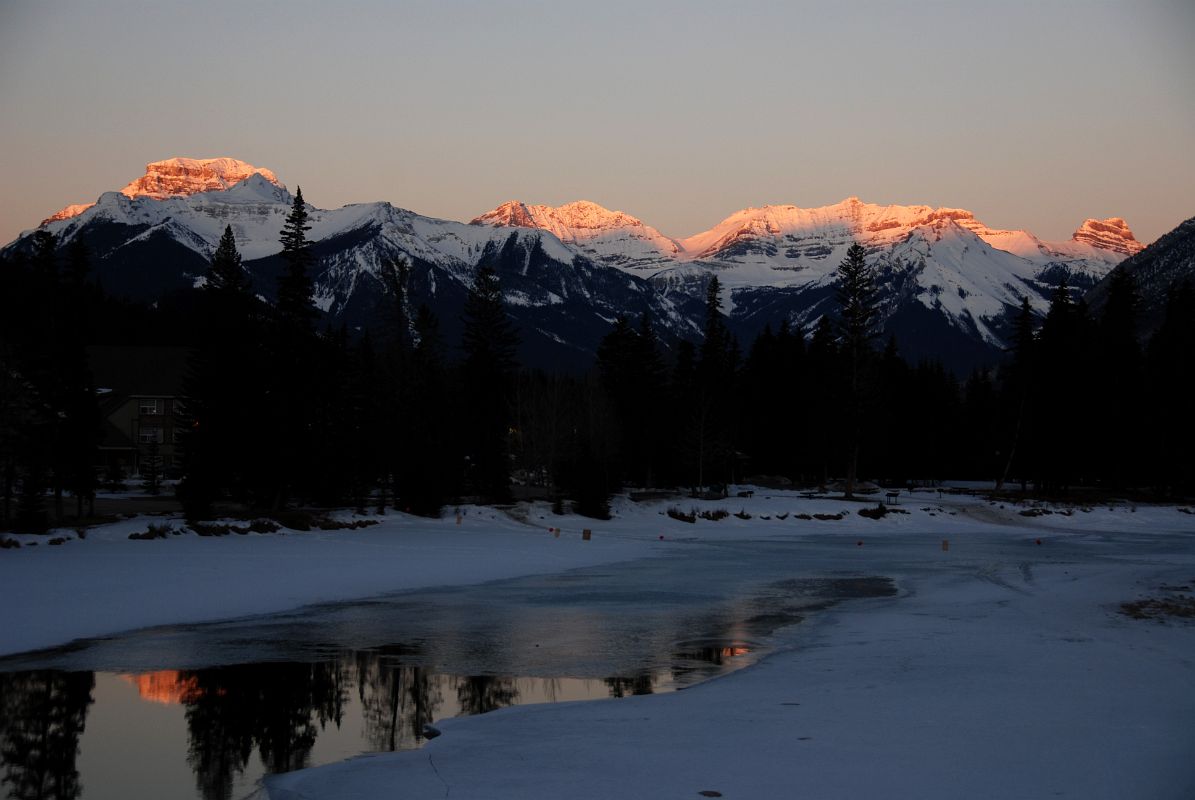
179	177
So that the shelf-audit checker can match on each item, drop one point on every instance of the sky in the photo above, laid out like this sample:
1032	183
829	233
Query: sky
1034	115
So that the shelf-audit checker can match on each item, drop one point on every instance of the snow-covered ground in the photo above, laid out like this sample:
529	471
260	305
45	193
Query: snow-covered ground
1003	668
107	583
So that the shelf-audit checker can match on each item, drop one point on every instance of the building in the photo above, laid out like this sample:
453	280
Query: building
140	398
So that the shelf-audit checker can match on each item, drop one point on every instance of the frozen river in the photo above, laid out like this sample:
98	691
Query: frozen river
206	710
883	643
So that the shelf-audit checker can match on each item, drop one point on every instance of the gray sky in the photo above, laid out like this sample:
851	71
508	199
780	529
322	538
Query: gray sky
1033	115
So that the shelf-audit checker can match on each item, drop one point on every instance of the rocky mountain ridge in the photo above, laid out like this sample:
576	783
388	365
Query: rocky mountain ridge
948	281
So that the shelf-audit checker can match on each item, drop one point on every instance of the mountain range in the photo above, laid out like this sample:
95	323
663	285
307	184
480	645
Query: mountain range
949	283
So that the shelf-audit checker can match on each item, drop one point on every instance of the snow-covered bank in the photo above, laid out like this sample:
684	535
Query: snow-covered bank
1004	670
107	583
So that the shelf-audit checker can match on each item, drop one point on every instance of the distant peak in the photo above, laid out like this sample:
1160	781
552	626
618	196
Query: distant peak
179	177
511	214
1108	234
577	214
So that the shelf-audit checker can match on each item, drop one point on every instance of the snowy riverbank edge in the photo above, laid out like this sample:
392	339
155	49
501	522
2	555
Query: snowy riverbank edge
1003	676
1001	671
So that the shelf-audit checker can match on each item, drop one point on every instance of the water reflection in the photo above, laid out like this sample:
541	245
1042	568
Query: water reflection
277	709
246	720
313	687
42	714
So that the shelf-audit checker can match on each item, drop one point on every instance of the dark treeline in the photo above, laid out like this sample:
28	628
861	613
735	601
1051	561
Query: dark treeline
281	411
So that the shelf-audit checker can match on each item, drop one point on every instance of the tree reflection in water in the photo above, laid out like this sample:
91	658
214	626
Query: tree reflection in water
396	701
274	708
277	710
478	694
42	715
625	687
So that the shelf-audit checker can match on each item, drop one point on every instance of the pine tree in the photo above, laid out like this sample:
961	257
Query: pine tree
295	289
1170	376
151	468
1017	392
289	447
429	451
225	275
1118	376
224	378
395	381
45	254
632	379
827	401
489	341
1060	381
709	417
78	258
650	386
858	316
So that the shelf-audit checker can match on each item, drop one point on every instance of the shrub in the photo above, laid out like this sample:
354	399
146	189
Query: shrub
6	543
743	514
155	531
329	524
677	514
715	515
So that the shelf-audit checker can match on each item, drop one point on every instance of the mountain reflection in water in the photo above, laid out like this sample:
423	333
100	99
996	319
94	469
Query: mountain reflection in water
206	711
246	720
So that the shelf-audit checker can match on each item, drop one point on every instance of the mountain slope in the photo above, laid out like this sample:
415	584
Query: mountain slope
145	247
948	281
1166	262
610	237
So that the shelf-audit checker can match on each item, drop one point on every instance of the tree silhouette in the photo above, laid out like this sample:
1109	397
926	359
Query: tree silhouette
858	316
42	717
489	341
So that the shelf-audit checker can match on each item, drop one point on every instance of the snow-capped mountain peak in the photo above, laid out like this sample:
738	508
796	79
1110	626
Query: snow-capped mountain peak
612	237
180	177
511	214
1108	234
177	177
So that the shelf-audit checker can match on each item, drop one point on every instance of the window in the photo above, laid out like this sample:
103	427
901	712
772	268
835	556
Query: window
150	435
150	406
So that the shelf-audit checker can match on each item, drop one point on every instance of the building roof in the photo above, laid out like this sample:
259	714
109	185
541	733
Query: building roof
129	371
